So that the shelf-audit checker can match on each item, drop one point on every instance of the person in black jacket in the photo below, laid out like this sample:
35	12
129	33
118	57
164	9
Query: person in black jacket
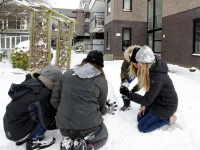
30	114
160	101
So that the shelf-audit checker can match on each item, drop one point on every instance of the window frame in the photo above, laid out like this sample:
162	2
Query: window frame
126	10
194	35
126	28
109	1
107	40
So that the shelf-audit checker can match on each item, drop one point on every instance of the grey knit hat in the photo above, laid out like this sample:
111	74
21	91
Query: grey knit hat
145	55
51	72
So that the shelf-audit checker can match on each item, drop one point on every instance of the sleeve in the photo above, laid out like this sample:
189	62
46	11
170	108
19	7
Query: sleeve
124	69
56	94
103	98
156	84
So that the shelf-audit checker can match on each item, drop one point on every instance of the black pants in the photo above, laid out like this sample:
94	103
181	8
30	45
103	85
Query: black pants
98	135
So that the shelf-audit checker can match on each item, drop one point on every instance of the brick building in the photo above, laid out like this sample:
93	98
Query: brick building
170	27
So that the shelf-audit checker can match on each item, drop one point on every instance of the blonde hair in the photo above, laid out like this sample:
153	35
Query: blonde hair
132	72
128	51
143	76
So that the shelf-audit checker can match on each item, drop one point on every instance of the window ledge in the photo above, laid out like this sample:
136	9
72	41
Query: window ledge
108	48
126	10
195	54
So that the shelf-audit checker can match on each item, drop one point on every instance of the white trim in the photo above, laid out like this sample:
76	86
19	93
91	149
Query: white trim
126	10
196	54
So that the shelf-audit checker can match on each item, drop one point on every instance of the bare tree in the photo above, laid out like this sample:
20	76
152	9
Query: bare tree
11	14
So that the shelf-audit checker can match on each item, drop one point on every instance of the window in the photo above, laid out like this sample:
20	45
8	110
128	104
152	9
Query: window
126	39
196	36
155	25
127	5
85	28
108	40
108	7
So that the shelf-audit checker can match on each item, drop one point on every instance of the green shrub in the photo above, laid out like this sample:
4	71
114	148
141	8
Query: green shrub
3	54
20	58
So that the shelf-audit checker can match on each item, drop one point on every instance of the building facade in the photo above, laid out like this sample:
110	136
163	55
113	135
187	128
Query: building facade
170	28
16	29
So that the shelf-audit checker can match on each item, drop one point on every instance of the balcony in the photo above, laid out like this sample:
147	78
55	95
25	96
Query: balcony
85	5
96	6
97	24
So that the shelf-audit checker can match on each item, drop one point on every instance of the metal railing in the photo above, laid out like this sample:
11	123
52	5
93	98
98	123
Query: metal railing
97	22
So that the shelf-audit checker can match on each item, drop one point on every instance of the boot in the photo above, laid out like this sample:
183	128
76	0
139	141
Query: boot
40	144
127	105
66	143
80	144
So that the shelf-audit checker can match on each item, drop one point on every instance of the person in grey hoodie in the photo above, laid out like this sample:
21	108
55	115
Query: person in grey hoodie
80	98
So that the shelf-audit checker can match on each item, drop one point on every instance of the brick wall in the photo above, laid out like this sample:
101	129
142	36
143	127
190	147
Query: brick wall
171	7
80	19
177	46
138	36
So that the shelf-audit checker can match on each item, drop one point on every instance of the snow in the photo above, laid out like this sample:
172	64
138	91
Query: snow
122	127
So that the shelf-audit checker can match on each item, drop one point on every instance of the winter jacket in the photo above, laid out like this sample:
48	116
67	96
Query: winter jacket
161	99
80	102
30	105
125	69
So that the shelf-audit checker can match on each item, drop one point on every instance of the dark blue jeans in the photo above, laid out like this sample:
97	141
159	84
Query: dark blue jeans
148	122
39	133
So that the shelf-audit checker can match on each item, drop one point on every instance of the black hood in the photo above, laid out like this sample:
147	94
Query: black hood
159	66
18	90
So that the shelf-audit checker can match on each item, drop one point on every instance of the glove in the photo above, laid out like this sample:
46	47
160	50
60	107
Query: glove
124	90
111	107
125	82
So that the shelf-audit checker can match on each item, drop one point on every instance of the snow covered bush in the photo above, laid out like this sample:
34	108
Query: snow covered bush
19	55
2	54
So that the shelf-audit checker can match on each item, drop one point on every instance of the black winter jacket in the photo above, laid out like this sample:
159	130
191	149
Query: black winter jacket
30	105
161	100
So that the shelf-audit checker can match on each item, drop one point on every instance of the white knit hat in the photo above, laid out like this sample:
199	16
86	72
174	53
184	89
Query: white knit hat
145	55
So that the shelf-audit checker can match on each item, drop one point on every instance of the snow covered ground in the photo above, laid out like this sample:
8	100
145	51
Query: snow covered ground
122	127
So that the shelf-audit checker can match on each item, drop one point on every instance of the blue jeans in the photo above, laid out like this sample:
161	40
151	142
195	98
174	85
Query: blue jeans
39	133
148	122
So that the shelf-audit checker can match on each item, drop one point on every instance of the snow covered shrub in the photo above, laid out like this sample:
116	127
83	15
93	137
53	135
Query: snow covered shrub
19	55
19	58
2	54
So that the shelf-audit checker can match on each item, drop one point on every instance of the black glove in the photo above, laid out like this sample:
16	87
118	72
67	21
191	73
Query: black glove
111	107
124	90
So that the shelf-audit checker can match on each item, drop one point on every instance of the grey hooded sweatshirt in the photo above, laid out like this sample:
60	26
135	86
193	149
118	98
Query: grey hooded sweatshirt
80	98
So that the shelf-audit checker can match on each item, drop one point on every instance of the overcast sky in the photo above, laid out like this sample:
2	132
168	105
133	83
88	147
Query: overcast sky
70	4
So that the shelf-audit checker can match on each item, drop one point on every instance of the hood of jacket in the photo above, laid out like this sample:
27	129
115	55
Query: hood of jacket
18	90
159	66
86	71
128	51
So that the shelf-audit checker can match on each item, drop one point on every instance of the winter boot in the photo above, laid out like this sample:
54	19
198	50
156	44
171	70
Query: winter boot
127	105
40	144
66	143
125	108
80	144
180	122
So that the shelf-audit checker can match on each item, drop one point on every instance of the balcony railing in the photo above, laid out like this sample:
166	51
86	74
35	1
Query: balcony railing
97	23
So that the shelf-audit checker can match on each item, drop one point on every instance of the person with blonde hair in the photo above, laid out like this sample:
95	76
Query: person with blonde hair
160	101
128	72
